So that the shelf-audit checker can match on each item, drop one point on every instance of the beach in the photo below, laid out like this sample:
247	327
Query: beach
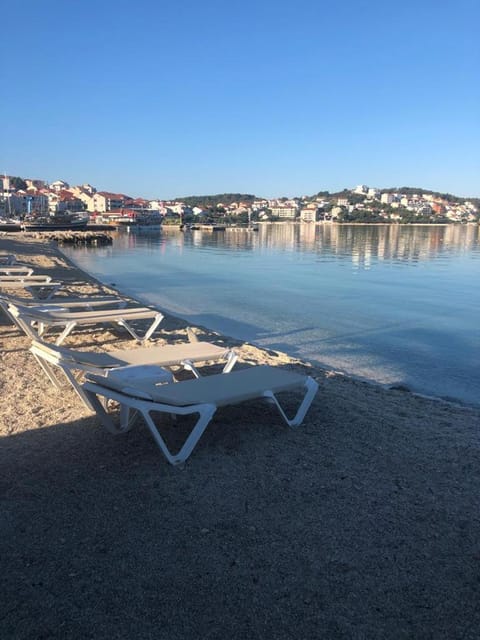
362	523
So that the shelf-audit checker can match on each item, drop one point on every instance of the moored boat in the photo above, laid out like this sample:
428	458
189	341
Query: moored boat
151	221
59	222
10	224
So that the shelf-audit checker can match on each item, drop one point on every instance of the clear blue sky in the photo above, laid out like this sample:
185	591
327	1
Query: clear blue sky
269	97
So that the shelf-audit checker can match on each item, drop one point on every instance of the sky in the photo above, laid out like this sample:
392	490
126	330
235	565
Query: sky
268	97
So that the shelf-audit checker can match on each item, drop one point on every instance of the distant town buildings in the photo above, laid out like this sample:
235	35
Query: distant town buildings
25	196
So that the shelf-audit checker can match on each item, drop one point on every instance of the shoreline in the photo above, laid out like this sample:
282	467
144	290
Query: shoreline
361	523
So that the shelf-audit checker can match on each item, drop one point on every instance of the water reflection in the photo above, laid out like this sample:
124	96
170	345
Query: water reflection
365	244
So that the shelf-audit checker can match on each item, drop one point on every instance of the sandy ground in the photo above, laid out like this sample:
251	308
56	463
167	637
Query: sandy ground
363	523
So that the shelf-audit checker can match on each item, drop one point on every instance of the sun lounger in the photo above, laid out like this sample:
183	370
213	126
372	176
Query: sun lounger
201	396
75	364
62	303
8	258
15	270
24	278
36	321
66	302
40	287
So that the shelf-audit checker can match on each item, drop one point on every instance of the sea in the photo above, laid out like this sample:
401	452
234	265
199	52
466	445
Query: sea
395	304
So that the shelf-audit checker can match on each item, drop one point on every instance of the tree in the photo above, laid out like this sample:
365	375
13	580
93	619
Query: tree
18	183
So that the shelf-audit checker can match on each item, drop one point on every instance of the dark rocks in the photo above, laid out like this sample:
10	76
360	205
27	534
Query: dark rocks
81	237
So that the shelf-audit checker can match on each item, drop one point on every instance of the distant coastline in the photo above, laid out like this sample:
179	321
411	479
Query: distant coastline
25	198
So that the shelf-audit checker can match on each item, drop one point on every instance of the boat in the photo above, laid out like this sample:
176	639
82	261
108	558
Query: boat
146	221
66	221
213	227
10	224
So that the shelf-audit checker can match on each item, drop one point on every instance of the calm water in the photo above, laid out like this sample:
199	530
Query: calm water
394	304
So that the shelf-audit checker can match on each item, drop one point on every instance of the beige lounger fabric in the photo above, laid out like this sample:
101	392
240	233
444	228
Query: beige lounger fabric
219	390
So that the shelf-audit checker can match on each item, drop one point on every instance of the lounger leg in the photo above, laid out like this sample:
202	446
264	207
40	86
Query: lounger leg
231	360
205	415
156	321
68	328
189	366
48	369
205	412
27	327
44	293
103	416
311	389
74	381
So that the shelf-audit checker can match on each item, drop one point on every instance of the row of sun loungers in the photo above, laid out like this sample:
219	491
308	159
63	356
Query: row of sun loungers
141	380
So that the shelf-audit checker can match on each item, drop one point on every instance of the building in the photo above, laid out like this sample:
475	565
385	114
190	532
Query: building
103	201
35	184
22	203
64	201
361	190
309	213
387	198
285	211
59	185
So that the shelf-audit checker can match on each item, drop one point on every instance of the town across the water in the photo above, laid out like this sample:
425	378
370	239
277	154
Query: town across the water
27	199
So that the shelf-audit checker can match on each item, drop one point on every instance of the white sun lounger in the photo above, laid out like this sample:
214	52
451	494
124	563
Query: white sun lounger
24	278
36	321
8	258
62	303
202	396
15	270
41	287
65	302
75	364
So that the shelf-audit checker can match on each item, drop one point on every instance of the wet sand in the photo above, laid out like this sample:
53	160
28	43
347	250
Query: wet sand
362	523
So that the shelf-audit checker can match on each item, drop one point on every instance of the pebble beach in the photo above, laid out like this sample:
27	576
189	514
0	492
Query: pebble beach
362	523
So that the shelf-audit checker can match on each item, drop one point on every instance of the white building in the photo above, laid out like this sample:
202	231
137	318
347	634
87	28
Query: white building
285	211
59	185
387	198
105	201
361	190
308	214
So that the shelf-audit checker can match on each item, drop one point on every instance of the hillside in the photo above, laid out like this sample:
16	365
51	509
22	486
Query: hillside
214	200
